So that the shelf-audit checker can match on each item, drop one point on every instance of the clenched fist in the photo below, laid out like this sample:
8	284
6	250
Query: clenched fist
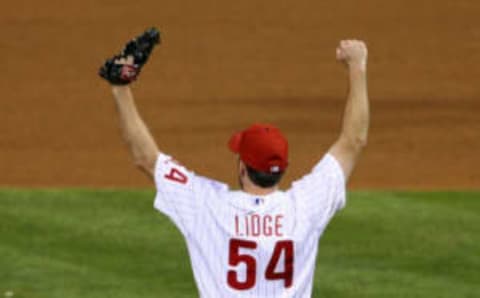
353	53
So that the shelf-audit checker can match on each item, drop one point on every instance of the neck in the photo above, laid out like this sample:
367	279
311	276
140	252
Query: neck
259	191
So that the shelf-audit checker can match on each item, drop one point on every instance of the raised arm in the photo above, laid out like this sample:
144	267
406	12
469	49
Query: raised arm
119	71
353	137
134	131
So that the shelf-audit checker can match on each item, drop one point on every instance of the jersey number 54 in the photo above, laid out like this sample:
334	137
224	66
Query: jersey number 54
235	258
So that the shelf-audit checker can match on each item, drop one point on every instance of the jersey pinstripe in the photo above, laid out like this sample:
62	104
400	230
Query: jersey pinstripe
241	245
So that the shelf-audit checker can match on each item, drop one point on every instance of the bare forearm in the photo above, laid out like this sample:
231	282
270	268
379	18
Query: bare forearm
135	133
356	117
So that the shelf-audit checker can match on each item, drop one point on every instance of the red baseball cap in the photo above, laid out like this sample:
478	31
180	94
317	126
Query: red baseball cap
261	147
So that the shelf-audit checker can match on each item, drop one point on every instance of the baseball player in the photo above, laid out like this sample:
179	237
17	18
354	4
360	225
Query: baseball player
259	241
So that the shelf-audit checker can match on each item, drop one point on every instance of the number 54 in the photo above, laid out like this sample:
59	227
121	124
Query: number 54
235	258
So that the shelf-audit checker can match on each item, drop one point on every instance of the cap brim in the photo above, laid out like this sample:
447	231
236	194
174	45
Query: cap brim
234	143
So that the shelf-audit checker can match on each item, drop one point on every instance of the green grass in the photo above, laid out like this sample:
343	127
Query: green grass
65	244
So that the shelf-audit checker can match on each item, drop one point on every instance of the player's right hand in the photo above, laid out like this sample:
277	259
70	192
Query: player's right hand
353	53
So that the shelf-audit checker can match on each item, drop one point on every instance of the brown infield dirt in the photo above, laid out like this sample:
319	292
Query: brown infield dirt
226	64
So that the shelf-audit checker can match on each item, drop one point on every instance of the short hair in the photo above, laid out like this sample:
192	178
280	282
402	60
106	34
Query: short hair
263	179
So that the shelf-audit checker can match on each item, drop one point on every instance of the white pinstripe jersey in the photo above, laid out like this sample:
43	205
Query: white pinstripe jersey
242	245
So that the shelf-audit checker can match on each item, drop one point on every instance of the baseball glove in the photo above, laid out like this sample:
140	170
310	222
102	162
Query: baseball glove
118	72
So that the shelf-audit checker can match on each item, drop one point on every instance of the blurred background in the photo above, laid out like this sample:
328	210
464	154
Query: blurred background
224	65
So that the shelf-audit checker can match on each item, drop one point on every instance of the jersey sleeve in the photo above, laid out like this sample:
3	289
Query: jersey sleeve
180	193
322	192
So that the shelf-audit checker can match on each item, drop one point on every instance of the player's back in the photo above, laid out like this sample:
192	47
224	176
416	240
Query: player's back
242	245
253	246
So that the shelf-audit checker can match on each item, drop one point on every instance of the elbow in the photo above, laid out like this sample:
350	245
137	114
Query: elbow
360	142
356	143
141	164
144	163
